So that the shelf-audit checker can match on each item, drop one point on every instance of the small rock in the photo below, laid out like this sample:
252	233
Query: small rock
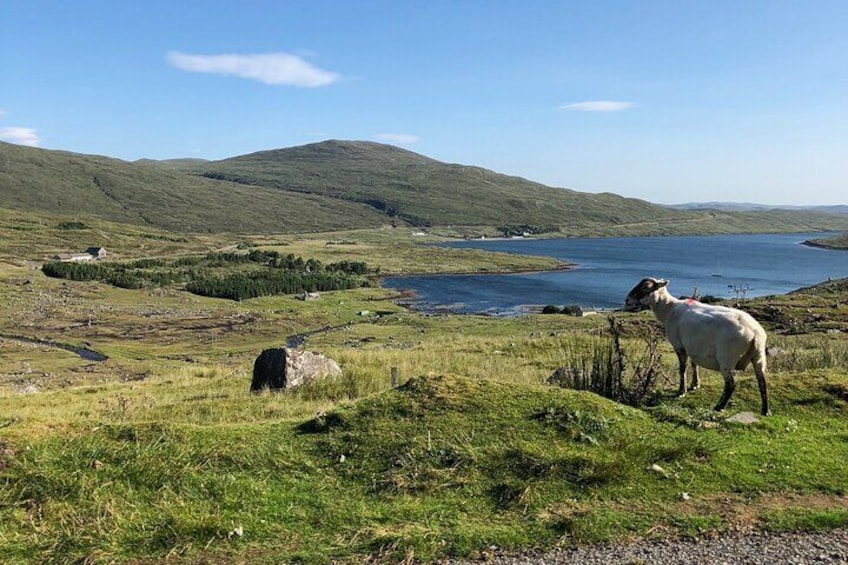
660	471
744	418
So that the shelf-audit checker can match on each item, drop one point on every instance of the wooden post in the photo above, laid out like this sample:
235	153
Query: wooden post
395	378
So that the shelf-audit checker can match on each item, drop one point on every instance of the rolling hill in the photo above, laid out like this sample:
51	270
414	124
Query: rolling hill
423	191
335	185
151	193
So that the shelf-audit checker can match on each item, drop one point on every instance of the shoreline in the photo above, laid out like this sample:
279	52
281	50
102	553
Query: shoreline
408	297
563	266
819	245
444	299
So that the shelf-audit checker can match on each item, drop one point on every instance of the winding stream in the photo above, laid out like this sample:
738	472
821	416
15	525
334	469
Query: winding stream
83	352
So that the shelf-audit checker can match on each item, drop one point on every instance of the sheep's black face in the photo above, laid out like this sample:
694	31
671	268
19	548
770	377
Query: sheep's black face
636	300
634	305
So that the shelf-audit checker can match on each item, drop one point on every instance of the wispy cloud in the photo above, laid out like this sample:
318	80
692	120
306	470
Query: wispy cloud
20	136
2	113
269	68
397	138
599	106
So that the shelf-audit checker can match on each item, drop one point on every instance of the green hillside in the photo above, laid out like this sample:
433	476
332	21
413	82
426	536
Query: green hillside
148	193
338	185
427	192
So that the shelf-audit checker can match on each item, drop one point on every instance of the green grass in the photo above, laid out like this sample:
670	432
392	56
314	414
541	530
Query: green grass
474	455
160	453
442	466
804	520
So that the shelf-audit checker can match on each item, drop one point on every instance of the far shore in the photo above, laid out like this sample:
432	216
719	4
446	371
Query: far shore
563	266
823	244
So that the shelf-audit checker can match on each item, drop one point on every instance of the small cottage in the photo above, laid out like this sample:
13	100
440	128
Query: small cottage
583	311
91	254
96	252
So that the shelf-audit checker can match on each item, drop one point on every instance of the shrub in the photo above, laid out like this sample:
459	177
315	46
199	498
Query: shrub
73	225
608	370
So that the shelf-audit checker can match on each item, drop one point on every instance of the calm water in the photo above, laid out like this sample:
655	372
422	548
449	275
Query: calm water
607	268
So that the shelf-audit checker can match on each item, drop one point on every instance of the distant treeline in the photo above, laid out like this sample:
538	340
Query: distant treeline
236	276
525	229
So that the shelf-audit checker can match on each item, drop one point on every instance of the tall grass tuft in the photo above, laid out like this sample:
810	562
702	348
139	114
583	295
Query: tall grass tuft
352	384
607	369
809	352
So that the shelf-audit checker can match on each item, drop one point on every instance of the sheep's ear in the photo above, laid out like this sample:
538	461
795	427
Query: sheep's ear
661	283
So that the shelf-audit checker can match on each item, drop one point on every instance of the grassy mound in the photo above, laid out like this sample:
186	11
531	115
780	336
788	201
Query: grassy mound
440	466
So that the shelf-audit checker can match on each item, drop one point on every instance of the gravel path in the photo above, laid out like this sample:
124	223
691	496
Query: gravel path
729	549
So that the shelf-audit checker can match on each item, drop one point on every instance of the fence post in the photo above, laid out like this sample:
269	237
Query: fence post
395	378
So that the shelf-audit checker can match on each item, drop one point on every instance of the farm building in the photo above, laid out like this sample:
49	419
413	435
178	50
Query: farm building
90	254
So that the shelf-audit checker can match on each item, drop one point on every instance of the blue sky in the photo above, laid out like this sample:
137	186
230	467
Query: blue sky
669	101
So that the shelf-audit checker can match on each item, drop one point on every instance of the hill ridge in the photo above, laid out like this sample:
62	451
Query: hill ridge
340	184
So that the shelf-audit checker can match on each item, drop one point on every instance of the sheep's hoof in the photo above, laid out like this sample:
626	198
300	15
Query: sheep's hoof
694	388
681	393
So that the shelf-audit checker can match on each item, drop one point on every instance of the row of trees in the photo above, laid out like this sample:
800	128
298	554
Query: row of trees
525	229
241	286
122	276
245	275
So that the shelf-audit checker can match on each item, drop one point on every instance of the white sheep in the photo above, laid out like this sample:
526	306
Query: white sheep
714	337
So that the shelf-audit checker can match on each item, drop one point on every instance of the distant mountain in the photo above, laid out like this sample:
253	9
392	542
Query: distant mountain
336	185
425	192
747	207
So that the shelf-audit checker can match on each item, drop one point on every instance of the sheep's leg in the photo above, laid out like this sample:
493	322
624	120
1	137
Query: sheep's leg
760	371
729	386
694	384
681	358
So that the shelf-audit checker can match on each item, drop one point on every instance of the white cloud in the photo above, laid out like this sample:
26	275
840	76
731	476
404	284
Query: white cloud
270	68
20	136
397	138
599	106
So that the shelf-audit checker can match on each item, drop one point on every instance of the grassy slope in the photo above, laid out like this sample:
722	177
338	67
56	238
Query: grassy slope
75	185
428	191
821	308
27	237
160	451
340	185
192	467
423	190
